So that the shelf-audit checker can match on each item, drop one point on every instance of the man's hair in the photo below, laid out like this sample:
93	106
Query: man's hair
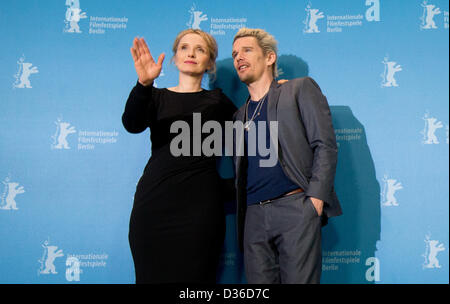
265	41
210	43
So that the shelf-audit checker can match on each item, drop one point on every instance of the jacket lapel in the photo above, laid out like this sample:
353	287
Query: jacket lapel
240	140
272	102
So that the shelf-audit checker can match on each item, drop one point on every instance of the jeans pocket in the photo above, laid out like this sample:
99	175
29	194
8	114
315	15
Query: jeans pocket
310	203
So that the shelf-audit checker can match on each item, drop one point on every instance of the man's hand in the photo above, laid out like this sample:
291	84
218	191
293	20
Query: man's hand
318	204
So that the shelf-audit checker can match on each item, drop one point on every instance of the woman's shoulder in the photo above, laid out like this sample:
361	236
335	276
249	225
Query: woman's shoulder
226	104
218	94
214	92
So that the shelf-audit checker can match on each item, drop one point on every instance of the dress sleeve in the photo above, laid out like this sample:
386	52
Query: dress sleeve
135	117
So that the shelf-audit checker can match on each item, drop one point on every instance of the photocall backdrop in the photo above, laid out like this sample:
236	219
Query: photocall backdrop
69	170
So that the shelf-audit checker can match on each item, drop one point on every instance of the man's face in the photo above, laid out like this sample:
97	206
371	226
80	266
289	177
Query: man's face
249	60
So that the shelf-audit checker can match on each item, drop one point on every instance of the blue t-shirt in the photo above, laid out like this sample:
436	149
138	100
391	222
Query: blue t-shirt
263	183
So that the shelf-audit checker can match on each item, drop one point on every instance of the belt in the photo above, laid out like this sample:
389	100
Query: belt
299	190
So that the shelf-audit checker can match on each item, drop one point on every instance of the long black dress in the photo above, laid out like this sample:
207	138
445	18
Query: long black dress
177	224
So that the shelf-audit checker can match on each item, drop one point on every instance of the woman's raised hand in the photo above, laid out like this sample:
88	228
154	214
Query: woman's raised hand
146	68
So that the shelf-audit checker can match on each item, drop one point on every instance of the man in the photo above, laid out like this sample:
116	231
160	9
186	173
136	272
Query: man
281	208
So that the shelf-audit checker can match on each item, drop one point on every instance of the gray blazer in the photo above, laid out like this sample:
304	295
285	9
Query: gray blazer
307	149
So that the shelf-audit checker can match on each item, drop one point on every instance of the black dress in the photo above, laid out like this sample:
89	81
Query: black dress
177	224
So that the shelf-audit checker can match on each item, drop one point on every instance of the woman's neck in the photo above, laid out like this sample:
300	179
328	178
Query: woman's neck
188	84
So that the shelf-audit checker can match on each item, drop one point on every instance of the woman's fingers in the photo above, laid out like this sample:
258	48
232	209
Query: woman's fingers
144	46
136	47
161	59
145	51
146	68
140	50
133	54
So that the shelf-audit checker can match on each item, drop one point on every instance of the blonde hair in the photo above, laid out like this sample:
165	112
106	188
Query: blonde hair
265	41
211	45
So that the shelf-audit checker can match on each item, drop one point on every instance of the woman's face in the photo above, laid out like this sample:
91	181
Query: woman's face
192	56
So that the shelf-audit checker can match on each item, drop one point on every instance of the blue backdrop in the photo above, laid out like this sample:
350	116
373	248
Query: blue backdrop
69	169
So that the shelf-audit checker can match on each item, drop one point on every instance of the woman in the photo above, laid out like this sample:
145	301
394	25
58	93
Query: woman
177	224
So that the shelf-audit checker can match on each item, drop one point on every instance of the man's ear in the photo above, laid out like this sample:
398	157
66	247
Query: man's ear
271	58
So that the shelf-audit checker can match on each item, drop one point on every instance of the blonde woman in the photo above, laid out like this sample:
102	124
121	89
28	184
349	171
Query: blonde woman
177	224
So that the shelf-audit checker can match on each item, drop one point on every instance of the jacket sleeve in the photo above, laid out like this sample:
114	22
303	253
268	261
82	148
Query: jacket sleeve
320	133
135	117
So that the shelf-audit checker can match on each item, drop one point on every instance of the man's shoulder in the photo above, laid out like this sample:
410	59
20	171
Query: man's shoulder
300	84
296	82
